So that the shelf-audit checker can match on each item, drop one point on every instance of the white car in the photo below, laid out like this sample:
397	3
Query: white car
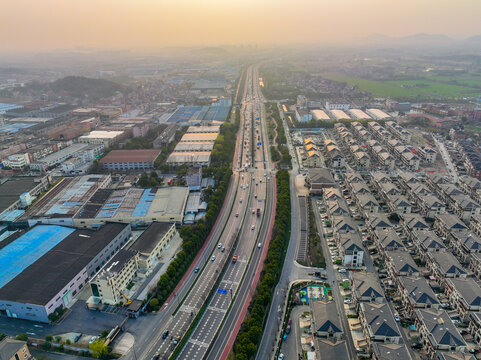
93	339
213	258
347	301
253	227
342	270
219	245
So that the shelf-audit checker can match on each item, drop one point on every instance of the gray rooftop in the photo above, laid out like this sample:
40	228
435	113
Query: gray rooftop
440	328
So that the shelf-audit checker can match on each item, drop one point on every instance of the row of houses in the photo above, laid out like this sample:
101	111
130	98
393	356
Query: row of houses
360	157
333	154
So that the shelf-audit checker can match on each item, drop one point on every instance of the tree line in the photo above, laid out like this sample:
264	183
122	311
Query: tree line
250	333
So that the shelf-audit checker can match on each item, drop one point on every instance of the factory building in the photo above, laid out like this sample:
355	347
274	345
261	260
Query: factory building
102	137
141	159
110	283
56	263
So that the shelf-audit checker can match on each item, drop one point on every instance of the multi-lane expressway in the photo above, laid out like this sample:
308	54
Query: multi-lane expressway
238	231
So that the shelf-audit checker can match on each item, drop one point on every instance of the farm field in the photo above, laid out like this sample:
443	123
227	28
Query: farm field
428	87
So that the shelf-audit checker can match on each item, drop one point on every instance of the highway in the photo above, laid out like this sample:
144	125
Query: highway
238	231
193	291
221	345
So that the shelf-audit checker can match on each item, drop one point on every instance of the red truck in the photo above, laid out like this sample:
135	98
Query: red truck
234	259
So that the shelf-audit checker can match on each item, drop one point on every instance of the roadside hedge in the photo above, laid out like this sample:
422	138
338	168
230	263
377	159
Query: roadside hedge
250	333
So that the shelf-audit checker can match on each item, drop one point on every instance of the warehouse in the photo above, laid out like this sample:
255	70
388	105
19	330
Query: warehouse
197	146
56	276
141	159
64	200
133	205
377	114
203	129
359	114
194	137
189	158
107	138
320	115
339	114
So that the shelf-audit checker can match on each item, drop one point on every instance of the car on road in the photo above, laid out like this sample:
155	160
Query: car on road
253	227
396	317
165	334
219	246
176	340
342	270
156	357
259	245
237	215
347	301
196	270
240	201
212	258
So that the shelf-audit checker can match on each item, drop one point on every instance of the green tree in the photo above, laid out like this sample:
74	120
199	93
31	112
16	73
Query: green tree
154	302
104	334
22	337
99	349
49	338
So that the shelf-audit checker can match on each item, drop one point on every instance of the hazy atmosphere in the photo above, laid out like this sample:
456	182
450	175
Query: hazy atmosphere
147	24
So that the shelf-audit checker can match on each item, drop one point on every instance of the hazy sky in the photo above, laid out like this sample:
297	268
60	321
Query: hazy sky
147	24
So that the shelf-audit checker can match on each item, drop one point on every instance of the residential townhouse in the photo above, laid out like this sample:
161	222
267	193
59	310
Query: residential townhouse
399	204
431	206
378	324
399	132
388	240
343	225
443	265
400	263
464	295
416	293
406	180
377	222
465	243
427	154
471	186
475	224
475	326
325	320
351	250
412	222
437	332
475	265
446	224
382	351
447	192
465	207
426	242
367	204
366	288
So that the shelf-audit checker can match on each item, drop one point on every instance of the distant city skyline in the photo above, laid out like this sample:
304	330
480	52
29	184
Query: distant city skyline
146	24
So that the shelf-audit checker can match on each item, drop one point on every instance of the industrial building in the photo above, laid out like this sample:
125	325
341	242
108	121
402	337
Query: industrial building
102	137
111	281
134	206
320	115
86	202
140	159
339	114
359	114
55	263
88	152
191	115
377	114
189	158
64	200
151	243
195	137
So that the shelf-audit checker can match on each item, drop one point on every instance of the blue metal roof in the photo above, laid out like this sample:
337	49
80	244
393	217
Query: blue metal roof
28	248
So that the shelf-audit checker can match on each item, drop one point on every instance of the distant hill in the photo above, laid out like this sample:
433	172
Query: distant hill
411	40
79	86
476	38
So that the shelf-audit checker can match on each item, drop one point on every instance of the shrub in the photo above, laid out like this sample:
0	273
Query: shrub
22	337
